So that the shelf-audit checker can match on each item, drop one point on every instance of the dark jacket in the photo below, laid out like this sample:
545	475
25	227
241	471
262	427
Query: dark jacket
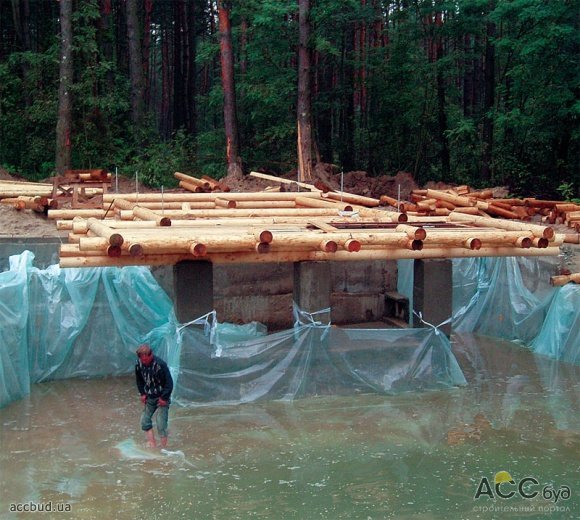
155	380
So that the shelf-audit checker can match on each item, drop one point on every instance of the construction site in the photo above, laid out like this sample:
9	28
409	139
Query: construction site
331	350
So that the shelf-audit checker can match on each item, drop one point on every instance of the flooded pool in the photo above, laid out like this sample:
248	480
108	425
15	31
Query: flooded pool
76	446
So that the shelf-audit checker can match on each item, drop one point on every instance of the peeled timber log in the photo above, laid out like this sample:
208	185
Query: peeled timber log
382	215
385	200
143	213
472	210
69	214
309	202
566	207
539	231
303	256
215	185
223	203
560	280
197	245
206	197
414	232
495	209
483	194
246	213
457	200
325	245
341	196
351	241
156	206
193	180
15	202
193	188
259	204
279	180
113	237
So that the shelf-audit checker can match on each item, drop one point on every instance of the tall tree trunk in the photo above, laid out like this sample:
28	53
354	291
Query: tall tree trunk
323	118
468	79
178	65
441	102
304	116
244	46
104	39
64	122
229	87
190	83
135	63
165	115
21	16
147	54
346	111
489	99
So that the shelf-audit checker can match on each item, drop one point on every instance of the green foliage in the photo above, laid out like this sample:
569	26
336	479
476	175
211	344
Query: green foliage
535	110
211	159
158	161
566	189
464	144
27	111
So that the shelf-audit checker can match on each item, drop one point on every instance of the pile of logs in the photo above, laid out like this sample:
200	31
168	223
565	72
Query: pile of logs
462	200
204	184
12	189
276	226
41	196
40	204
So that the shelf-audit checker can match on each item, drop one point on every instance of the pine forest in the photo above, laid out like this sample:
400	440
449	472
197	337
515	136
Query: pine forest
481	92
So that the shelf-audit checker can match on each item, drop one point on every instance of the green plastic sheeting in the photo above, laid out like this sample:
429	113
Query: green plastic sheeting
559	336
14	371
311	359
511	298
64	323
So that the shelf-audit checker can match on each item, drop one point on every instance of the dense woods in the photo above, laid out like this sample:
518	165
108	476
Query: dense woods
470	91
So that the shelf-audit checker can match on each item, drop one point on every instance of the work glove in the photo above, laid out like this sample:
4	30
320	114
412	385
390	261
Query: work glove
162	402
143	398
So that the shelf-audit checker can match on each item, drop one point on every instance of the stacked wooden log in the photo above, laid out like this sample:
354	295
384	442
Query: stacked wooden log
40	204
92	175
563	279
41	196
273	226
11	189
204	184
481	203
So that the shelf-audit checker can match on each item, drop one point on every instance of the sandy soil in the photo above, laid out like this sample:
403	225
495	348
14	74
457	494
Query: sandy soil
26	223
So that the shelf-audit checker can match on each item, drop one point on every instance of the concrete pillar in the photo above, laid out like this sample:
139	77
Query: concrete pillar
433	291
193	286
312	285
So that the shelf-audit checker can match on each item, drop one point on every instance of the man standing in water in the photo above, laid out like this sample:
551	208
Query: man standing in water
155	386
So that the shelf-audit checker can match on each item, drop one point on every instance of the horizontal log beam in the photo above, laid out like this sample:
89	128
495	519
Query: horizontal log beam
303	256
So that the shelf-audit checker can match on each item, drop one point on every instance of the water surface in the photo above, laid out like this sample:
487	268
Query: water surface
419	456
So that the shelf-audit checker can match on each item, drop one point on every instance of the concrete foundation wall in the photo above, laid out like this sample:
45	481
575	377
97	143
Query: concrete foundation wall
265	292
252	292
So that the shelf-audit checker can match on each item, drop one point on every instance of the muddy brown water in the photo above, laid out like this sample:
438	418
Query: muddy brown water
75	446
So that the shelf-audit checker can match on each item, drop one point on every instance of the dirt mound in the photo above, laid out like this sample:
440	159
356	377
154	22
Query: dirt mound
360	183
328	177
5	176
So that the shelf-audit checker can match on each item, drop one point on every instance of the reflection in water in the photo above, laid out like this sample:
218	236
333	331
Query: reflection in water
415	455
